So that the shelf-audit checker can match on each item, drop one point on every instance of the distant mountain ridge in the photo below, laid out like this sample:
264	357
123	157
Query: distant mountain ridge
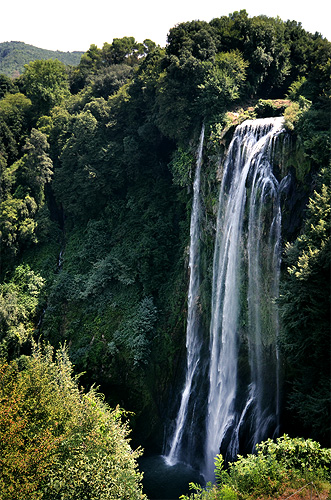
14	55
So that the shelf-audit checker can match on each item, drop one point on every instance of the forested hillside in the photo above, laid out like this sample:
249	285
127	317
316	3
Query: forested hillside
96	174
14	55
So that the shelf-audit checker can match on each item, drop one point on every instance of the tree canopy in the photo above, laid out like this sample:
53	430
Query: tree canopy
96	173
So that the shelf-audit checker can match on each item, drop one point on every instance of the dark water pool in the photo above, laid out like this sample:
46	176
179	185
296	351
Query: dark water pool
164	482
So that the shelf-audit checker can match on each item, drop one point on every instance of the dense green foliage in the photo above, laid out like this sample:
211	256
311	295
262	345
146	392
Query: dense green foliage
19	303
57	441
14	56
45	83
96	169
305	303
285	465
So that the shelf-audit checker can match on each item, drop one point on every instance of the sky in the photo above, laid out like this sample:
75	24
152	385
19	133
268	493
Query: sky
69	25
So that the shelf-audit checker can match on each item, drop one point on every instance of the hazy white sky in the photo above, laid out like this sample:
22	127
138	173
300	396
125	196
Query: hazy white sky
69	25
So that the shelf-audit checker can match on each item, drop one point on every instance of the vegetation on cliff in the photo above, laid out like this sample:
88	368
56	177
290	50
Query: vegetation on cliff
95	194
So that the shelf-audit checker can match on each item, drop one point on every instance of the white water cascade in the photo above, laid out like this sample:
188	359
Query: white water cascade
244	320
193	344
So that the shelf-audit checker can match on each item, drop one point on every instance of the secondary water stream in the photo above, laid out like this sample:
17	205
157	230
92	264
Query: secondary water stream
193	342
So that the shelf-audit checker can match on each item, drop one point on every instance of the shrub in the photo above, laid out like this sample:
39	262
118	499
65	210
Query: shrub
277	466
257	475
306	456
269	107
294	111
57	441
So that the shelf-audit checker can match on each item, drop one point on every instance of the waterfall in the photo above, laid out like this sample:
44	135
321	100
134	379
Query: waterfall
193	344
244	319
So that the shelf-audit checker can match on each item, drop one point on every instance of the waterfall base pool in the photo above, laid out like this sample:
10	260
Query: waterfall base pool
164	482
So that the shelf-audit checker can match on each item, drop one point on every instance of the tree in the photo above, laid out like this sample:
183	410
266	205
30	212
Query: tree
79	184
45	82
196	38
23	189
120	50
17	225
20	299
34	169
14	112
262	42
110	79
92	59
6	85
268	54
223	82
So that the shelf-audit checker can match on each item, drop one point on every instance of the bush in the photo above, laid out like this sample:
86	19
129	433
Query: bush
211	492
57	441
269	107
306	456
257	475
294	111
277	466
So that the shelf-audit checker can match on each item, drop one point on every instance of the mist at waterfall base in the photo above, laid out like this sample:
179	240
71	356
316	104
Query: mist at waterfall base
167	482
230	397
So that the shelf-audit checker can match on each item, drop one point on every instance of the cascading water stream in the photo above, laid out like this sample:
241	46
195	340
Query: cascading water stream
245	285
262	274
193	344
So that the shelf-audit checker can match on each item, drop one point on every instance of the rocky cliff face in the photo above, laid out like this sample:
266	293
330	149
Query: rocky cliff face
294	189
